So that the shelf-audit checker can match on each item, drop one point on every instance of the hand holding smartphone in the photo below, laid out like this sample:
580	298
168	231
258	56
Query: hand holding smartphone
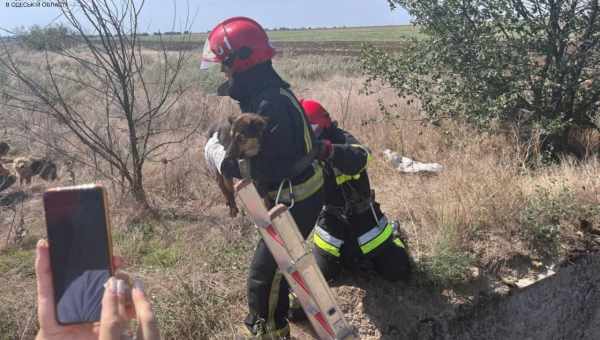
79	234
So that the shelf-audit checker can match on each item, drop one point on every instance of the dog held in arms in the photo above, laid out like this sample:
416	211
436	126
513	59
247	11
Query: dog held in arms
241	136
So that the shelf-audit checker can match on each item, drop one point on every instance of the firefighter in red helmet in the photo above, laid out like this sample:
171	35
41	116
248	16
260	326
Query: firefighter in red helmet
351	226
237	43
287	156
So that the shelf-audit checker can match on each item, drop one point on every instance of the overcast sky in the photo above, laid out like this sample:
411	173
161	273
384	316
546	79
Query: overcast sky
158	14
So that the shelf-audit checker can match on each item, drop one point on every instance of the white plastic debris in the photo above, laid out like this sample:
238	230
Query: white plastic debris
405	164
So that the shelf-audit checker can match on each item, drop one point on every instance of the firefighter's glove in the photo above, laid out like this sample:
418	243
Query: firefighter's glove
326	149
214	153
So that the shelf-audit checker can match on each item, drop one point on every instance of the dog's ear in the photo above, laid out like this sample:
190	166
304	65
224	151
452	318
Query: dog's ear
262	122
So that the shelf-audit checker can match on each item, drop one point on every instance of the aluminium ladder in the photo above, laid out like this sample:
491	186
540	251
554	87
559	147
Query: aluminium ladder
281	235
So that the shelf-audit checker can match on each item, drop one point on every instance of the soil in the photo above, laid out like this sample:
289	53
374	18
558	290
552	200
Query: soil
566	305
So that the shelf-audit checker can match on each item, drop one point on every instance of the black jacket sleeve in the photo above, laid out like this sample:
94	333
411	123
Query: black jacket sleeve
276	156
349	156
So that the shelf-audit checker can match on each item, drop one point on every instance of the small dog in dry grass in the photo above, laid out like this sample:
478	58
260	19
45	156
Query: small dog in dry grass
241	136
26	168
22	167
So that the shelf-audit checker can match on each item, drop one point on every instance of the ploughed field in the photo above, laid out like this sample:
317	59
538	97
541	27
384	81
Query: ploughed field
329	41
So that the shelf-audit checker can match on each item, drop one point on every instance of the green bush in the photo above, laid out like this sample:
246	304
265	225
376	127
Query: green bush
449	264
500	60
541	219
547	213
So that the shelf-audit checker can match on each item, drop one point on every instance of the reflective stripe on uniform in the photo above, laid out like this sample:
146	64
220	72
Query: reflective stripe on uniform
305	125
341	178
327	237
322	244
376	236
371	234
303	190
327	242
369	157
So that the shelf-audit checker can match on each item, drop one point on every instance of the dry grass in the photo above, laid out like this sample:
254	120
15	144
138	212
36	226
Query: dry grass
482	210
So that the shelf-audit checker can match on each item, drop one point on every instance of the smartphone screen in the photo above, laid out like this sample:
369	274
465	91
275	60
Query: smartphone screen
80	251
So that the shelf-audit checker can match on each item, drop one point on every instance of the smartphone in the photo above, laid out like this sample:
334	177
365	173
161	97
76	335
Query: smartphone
79	237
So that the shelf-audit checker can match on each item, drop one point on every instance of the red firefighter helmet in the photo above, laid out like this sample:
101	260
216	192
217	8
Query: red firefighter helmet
318	117
239	43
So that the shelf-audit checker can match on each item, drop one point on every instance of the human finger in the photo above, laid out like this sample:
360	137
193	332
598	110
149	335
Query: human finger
148	327
45	289
129	309
110	326
122	292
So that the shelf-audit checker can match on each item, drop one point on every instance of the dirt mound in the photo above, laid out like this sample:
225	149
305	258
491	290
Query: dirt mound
383	310
563	306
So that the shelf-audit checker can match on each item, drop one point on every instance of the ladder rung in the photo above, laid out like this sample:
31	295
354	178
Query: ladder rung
282	237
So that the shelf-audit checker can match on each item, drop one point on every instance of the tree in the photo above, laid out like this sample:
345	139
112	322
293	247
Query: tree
114	98
503	60
52	38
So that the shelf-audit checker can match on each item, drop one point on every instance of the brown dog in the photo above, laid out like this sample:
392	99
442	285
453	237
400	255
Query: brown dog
241	136
26	168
